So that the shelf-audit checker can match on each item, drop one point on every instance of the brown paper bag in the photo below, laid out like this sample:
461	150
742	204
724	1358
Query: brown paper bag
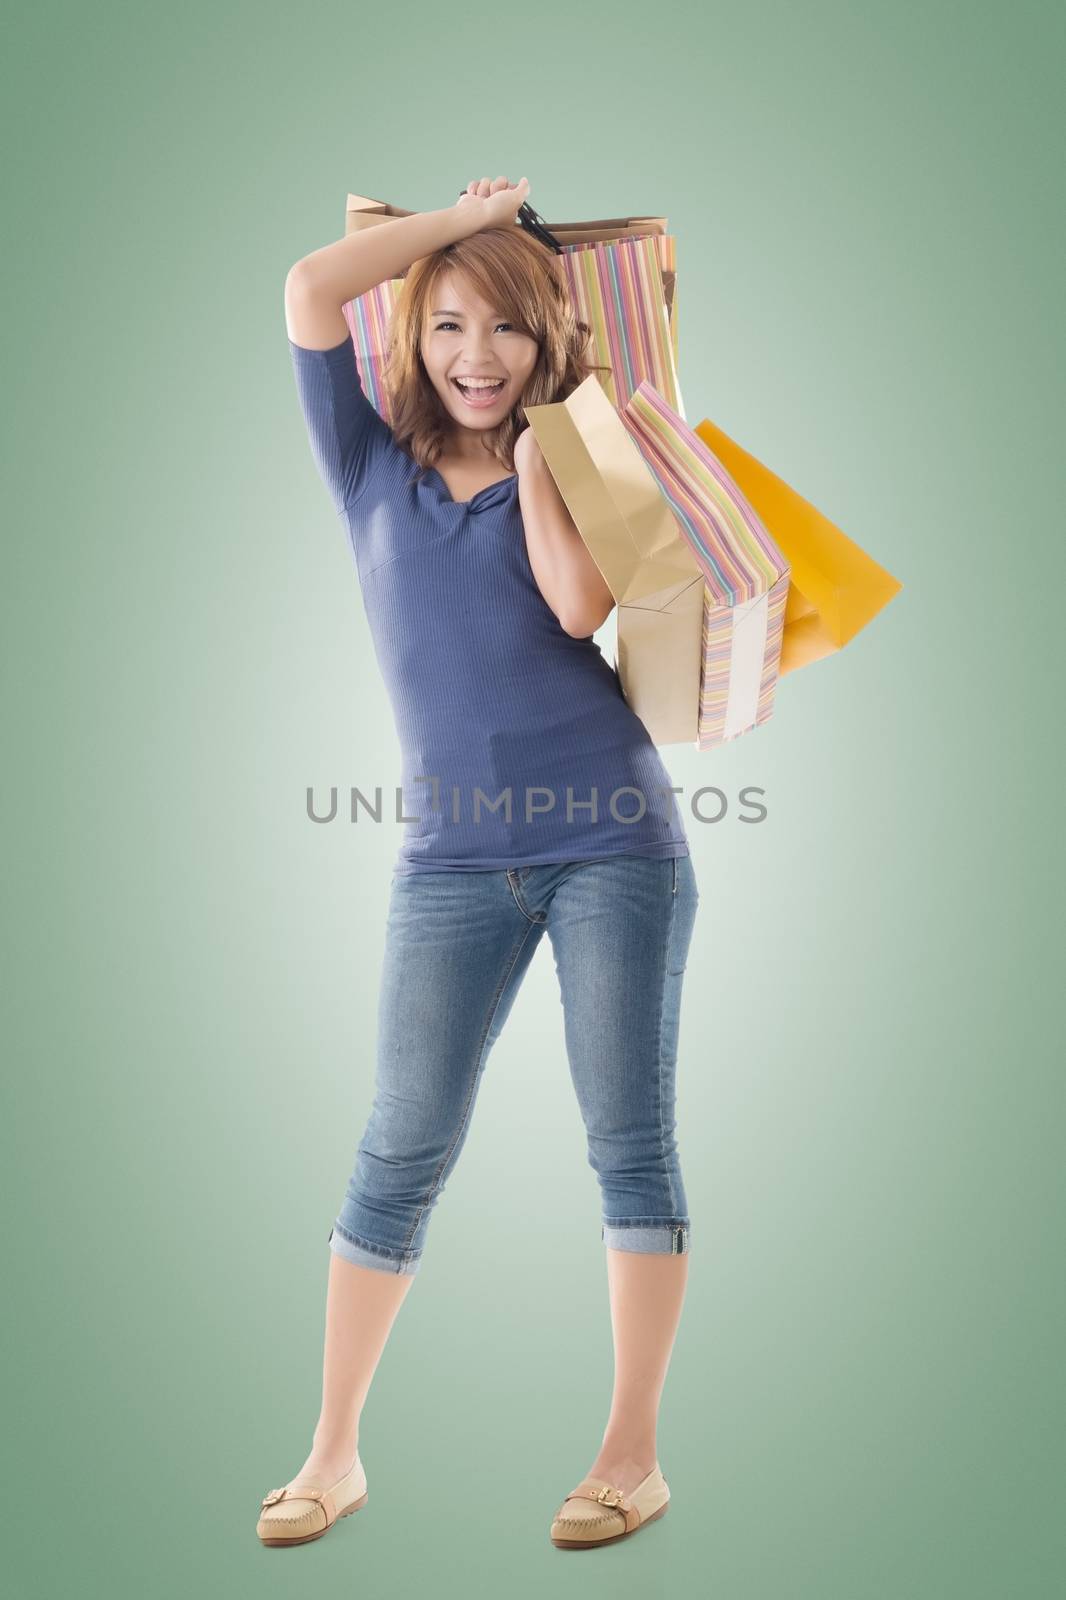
633	537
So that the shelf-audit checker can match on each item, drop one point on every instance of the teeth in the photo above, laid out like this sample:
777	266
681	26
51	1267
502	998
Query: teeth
480	383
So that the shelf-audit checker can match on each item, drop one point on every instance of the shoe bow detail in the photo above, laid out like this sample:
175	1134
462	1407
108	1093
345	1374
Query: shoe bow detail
605	1496
300	1491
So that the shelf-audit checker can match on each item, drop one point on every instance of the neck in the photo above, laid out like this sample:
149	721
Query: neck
470	450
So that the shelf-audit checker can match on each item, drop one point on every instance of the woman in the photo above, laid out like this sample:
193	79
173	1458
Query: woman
521	761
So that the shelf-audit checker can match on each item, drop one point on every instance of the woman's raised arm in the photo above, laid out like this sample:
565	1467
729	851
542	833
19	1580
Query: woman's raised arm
321	283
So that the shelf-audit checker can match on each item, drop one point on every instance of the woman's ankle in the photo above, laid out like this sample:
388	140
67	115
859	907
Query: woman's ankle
325	1469
331	1445
637	1445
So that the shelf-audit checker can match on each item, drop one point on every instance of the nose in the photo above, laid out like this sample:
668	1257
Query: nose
477	351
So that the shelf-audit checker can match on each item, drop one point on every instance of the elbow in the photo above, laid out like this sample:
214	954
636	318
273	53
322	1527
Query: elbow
304	285
590	603
296	281
583	625
294	295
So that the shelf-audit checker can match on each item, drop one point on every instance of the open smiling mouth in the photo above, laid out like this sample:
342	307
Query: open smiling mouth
481	397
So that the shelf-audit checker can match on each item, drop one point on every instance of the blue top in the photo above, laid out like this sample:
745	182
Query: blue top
490	693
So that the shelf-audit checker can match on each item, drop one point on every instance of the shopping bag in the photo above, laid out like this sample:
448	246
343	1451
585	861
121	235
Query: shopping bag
363	212
618	286
699	584
835	588
368	318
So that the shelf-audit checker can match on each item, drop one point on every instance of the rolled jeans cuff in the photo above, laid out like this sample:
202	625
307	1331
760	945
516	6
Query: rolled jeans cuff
362	1253
653	1238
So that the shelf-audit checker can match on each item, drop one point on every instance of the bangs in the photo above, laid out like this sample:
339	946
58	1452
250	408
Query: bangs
514	296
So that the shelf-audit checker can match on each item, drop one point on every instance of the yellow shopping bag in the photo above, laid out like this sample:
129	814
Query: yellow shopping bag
835	587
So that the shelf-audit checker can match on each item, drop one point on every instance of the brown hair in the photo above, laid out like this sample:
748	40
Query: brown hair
522	277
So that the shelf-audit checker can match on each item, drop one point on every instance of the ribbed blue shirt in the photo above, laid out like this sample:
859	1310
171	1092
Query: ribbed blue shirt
490	694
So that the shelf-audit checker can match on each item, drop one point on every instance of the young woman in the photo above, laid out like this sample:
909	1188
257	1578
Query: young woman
539	804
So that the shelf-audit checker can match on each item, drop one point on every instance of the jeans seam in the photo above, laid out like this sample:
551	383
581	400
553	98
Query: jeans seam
659	1048
674	1220
534	921
475	1079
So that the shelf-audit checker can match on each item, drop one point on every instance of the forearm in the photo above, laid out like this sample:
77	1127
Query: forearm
566	574
360	261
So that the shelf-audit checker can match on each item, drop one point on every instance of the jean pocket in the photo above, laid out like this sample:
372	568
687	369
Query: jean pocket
674	891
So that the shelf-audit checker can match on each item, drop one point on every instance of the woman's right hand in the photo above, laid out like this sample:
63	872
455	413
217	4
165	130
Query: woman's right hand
492	203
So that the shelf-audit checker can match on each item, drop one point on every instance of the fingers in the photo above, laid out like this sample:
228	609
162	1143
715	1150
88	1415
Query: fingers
487	186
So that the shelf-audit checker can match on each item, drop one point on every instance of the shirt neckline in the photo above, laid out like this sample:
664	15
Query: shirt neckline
490	488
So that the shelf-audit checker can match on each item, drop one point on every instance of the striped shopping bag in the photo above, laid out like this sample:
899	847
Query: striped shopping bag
618	286
363	212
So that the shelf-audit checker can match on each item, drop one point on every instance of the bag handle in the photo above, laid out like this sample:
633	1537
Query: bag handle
534	223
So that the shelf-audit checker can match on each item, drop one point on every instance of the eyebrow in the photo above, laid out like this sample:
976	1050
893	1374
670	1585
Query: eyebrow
446	311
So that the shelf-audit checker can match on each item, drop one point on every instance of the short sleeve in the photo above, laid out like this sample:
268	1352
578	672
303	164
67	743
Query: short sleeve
347	433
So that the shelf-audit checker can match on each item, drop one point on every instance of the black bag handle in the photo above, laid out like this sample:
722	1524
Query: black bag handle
535	224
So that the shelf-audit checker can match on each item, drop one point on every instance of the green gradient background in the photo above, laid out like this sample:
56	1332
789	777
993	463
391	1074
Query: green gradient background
864	1399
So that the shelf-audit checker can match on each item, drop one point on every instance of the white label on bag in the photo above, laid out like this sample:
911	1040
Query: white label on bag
746	664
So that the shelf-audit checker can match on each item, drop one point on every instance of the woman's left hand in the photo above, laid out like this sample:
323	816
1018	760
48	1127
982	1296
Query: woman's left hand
526	449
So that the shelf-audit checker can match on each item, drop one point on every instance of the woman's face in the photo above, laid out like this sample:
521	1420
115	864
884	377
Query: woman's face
465	337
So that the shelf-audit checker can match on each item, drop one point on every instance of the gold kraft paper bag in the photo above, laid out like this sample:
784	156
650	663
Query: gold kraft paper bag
699	584
631	535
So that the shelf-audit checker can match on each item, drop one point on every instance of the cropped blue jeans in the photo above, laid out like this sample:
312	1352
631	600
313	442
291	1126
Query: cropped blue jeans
457	947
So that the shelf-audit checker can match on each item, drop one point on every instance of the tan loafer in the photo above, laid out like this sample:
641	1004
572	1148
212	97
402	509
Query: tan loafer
596	1513
302	1511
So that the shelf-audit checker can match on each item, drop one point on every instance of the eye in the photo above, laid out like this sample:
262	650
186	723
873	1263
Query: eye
442	325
